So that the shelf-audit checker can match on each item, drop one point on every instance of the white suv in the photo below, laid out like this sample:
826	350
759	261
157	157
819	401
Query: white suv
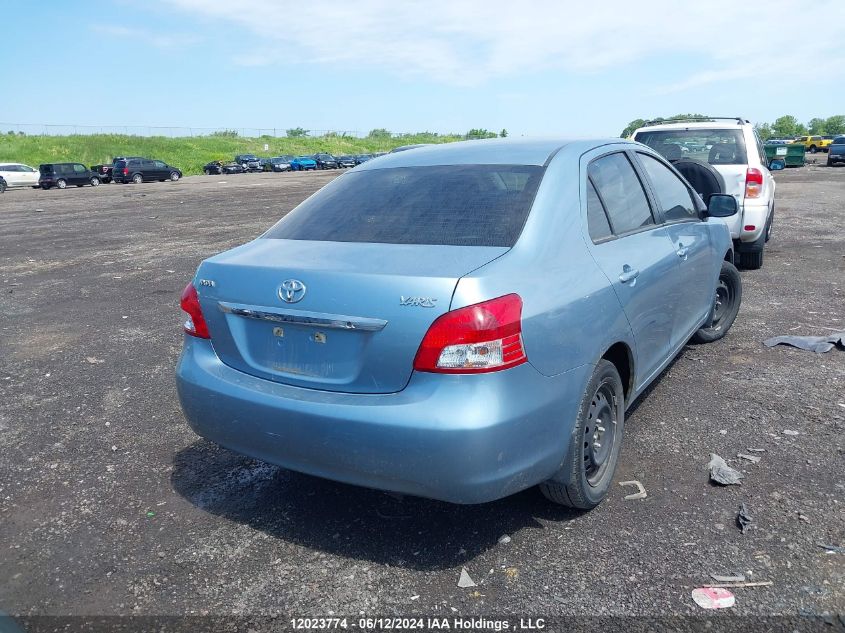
731	147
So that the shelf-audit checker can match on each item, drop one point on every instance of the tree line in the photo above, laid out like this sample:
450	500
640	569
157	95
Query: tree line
786	126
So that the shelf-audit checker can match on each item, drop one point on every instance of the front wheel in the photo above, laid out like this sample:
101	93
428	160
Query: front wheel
813	149
174	176
726	302
95	182
594	445
61	183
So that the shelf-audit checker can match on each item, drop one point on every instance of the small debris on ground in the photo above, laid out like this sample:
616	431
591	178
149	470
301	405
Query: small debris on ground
743	518
504	539
713	598
790	432
721	473
512	573
832	549
642	494
735	585
754	459
756	450
734	578
415	597
465	580
818	344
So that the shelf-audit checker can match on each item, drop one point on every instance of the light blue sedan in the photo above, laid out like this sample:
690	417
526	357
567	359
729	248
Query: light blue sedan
462	321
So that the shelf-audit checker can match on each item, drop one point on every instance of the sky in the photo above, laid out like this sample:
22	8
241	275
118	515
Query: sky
534	68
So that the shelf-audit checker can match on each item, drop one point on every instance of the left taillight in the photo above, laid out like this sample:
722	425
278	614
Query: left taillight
479	338
195	324
753	182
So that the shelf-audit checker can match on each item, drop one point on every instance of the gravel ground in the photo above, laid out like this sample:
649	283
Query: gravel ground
109	504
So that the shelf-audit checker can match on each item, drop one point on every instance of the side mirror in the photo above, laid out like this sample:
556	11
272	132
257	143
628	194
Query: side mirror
722	205
777	164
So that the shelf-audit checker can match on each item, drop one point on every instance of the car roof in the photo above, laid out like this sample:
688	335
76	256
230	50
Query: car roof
733	124
498	151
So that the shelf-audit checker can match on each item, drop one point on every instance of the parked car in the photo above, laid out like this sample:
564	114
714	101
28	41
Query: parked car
362	158
278	163
19	175
346	161
250	162
104	172
836	151
778	141
138	170
813	143
2	185
731	149
325	161
61	175
303	163
535	290
217	167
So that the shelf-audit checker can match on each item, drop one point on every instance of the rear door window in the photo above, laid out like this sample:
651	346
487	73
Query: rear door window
671	192
622	193
79	169
597	223
459	205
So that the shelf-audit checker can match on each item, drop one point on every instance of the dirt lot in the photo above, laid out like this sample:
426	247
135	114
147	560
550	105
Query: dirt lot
109	504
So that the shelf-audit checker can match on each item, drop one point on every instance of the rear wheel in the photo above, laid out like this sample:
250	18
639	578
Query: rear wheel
813	149
45	186
61	183
595	443
2	187
95	182
726	302
137	179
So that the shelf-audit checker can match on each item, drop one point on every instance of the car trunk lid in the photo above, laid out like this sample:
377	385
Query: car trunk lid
354	316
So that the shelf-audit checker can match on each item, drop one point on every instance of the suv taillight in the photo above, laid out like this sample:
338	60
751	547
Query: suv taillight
195	325
479	338
753	182
125	171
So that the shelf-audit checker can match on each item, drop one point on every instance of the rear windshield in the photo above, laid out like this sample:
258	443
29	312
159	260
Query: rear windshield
839	140
120	164
457	205
717	147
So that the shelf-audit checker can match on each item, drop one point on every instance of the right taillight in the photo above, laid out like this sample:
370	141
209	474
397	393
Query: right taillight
195	325
753	182
125	171
479	338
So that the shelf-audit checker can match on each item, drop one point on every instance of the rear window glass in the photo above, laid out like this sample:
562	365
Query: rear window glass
717	147
120	164
839	140
458	205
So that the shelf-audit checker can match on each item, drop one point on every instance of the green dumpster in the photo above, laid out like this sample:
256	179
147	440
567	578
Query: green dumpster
792	155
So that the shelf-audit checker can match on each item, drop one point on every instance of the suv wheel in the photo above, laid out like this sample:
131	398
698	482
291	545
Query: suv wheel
137	179
751	261
594	445
61	183
726	304
813	149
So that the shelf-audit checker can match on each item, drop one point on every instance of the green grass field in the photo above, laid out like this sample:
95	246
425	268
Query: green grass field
189	153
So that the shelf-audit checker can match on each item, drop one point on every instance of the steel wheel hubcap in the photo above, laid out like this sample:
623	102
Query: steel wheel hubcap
722	302
599	434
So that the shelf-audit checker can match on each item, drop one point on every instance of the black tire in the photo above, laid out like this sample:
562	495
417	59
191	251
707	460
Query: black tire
2	187
813	149
137	179
590	465
174	176
45	186
61	183
728	298
829	162
751	261
206	172
95	182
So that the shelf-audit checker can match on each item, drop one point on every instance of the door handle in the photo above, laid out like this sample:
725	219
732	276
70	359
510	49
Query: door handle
628	274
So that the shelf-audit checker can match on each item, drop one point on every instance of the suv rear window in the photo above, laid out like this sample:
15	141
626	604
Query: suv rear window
119	164
839	140
457	205
714	146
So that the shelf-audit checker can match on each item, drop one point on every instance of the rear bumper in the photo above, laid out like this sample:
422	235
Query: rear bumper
754	214
462	439
836	158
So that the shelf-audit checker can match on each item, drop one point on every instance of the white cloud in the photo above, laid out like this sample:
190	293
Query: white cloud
164	41
470	42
